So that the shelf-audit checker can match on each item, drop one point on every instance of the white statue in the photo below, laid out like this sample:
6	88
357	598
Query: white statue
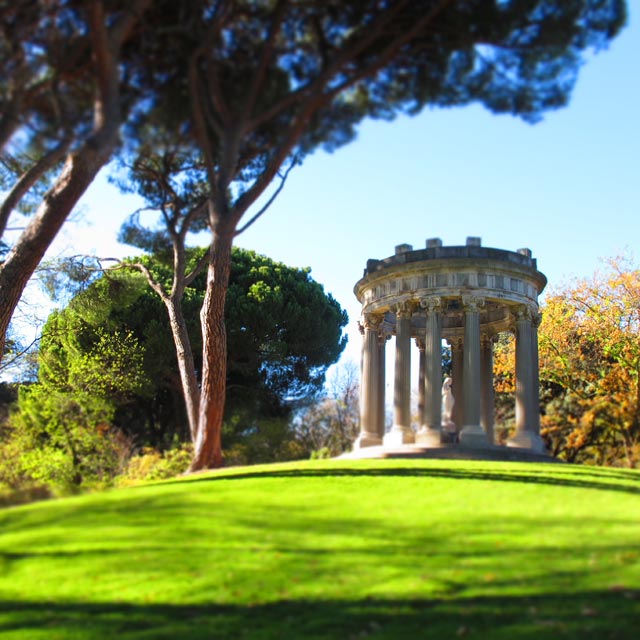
448	425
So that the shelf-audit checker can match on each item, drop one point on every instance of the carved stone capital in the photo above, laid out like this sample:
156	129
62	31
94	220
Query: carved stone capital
370	321
431	304
525	312
404	309
472	303
488	339
420	343
536	319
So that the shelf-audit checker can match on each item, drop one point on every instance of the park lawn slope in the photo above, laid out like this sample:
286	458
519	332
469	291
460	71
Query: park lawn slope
382	549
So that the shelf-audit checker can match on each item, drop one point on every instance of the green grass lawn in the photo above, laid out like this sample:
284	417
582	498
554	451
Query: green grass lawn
333	549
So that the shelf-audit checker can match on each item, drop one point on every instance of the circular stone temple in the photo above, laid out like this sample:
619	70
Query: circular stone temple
465	295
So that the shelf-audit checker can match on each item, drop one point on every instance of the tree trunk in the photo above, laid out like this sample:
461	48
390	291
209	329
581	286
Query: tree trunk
186	365
106	36
77	174
208	445
29	178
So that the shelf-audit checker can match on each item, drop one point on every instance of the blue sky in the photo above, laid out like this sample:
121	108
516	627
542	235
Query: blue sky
568	188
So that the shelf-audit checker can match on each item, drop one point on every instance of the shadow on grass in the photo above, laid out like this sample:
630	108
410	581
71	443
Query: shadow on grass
628	475
563	479
601	615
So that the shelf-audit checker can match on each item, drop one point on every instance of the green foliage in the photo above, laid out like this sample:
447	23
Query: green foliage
326	550
330	65
107	375
284	331
66	438
321	454
258	440
13	476
65	421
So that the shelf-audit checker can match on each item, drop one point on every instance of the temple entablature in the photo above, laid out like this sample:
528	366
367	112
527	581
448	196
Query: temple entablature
504	279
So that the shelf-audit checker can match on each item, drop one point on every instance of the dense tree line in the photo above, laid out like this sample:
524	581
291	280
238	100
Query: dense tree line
108	382
249	88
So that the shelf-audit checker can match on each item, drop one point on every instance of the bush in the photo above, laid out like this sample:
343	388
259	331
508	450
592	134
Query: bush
23	495
66	440
152	465
17	486
320	454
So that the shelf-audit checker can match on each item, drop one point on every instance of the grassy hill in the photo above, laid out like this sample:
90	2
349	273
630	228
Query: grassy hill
382	549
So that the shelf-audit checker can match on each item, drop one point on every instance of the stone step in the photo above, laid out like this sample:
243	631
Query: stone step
450	451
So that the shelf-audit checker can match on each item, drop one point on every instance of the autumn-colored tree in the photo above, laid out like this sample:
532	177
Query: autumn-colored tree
590	364
504	368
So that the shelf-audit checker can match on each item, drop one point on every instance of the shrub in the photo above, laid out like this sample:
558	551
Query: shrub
17	486
321	454
152	465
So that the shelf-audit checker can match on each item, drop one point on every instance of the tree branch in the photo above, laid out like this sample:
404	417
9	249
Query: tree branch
316	97
196	211
371	33
388	53
202	263
121	29
106	106
199	120
143	269
28	179
271	200
7	364
265	59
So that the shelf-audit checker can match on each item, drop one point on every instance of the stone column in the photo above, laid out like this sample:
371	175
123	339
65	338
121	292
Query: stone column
430	430
524	364
487	393
527	434
369	383
535	375
457	352
472	433
421	374
401	432
382	343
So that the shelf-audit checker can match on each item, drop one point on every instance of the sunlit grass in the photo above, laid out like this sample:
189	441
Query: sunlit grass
333	549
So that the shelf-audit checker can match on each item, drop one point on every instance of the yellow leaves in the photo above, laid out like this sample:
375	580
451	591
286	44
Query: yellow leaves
590	348
504	364
577	439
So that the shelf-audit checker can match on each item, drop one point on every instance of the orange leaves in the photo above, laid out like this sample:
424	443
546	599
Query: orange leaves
504	364
590	354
